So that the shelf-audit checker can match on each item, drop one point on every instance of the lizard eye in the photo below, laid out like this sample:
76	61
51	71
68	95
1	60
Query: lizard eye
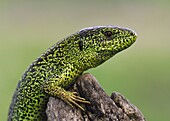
108	33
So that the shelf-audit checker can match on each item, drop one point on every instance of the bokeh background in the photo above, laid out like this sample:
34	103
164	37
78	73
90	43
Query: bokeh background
141	73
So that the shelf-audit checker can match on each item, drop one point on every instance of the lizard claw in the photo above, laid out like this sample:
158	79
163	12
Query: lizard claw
71	98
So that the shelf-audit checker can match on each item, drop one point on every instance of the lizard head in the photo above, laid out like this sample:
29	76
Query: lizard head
106	41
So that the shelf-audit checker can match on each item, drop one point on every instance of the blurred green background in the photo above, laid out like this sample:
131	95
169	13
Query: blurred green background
141	73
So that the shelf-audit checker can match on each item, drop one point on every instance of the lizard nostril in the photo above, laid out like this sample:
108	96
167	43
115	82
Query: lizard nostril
132	34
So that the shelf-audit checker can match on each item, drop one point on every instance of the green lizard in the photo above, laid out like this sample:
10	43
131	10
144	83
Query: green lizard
60	65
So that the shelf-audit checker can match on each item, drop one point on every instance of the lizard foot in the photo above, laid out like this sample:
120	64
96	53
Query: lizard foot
72	98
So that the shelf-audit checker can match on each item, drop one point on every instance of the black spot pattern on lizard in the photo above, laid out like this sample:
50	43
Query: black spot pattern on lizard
65	61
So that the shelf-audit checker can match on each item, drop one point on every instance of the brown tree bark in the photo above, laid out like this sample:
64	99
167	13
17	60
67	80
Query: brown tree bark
102	107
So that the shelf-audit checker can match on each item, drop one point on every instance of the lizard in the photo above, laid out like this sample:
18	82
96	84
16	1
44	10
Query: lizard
58	67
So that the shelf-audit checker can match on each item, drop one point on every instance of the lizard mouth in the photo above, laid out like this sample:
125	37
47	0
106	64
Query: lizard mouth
125	42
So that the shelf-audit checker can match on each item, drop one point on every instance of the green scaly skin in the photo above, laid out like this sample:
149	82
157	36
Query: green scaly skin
60	65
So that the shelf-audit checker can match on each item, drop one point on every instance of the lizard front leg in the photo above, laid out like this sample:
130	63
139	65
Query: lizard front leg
53	87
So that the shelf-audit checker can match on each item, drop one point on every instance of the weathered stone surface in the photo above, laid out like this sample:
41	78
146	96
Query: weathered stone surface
102	107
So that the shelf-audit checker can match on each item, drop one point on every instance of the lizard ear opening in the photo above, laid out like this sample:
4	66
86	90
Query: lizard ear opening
80	45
